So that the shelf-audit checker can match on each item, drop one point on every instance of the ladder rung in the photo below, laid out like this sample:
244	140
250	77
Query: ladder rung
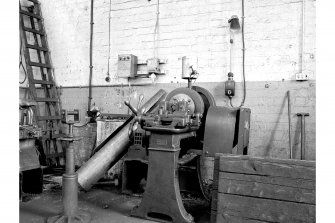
42	82
46	99
34	1
36	47
30	14
33	31
43	118
39	65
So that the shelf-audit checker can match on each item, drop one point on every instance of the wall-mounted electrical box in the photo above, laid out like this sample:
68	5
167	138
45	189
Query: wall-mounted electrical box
230	85
127	65
301	77
153	66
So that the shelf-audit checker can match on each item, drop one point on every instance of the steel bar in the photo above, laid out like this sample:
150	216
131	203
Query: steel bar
303	135
112	149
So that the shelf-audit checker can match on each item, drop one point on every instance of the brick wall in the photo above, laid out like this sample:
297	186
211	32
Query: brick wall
198	30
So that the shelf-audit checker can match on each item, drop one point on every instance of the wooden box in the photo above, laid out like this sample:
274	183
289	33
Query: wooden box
250	189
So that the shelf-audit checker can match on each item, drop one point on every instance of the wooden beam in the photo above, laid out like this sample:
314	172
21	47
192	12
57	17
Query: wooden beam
268	167
264	209
263	188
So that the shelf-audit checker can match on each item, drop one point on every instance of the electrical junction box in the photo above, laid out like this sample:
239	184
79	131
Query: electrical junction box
301	77
230	88
153	66
230	85
127	65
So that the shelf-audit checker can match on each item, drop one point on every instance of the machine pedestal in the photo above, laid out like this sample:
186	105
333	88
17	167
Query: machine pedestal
70	213
162	201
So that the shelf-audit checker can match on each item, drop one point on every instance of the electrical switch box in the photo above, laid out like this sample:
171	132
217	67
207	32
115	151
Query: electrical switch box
301	76
153	66
230	85
127	65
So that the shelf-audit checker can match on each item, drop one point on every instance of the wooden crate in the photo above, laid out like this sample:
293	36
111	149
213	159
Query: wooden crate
250	189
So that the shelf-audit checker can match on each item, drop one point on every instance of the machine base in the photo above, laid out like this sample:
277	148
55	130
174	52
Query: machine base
162	201
81	217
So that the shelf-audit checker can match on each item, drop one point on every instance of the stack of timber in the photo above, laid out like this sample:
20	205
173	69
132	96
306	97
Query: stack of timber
250	189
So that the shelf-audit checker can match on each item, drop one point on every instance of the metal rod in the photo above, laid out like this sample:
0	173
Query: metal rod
111	149
69	165
289	123
303	135
91	58
71	129
303	139
93	86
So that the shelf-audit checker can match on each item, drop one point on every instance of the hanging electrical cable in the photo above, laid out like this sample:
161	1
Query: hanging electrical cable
243	62
109	41
21	64
156	32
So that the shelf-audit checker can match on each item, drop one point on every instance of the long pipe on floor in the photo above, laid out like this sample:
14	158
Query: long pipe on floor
111	149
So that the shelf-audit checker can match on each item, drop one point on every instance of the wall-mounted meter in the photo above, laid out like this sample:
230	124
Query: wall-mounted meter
127	65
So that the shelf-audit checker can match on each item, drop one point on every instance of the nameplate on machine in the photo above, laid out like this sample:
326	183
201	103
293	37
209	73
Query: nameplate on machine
161	142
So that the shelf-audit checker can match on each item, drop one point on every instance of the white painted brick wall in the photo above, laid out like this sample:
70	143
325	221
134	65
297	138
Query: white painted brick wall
197	29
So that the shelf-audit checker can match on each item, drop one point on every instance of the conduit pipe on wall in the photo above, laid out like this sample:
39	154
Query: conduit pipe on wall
91	58
302	36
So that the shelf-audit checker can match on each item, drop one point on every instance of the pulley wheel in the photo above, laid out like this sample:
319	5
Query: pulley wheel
196	104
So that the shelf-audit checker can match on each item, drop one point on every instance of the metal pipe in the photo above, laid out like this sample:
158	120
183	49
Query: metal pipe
70	129
70	194
111	149
303	139
69	165
289	124
302	35
70	187
91	58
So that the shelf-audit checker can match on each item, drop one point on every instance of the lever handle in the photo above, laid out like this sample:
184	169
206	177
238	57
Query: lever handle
140	101
134	110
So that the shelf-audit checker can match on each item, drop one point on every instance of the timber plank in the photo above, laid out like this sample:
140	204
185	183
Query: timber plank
263	190
215	183
266	167
284	181
260	209
308	163
225	218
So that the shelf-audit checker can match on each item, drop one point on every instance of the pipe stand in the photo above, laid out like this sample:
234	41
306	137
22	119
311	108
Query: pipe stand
70	214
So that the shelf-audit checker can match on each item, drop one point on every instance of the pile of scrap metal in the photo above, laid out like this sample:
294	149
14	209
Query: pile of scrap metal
31	180
163	143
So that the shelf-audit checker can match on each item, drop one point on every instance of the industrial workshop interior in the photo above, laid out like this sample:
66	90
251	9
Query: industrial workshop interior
167	111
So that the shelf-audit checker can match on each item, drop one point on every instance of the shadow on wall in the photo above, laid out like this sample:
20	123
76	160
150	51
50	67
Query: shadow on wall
270	144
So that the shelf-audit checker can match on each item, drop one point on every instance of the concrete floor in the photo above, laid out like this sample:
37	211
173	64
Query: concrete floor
104	202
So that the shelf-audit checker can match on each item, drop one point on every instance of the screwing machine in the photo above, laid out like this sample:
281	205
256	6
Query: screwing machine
185	122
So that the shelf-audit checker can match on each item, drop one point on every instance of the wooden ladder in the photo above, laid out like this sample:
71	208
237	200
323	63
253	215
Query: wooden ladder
42	87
